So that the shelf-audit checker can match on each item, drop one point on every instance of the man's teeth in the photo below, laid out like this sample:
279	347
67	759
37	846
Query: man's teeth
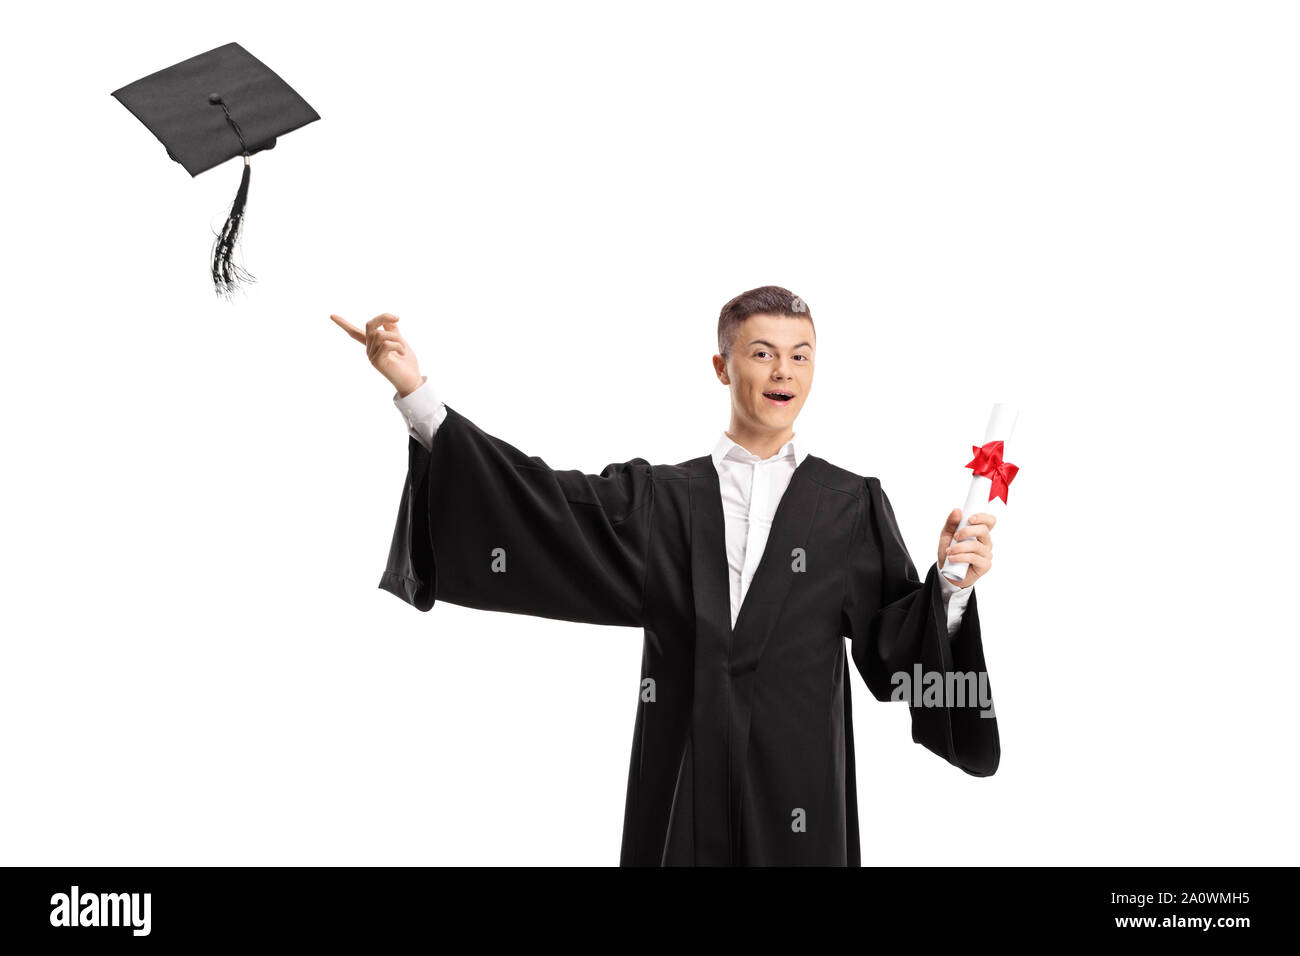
780	396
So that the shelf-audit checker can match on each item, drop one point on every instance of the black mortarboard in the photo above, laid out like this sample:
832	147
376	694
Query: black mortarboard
211	108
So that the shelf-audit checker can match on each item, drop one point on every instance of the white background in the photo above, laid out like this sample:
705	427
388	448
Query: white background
1089	209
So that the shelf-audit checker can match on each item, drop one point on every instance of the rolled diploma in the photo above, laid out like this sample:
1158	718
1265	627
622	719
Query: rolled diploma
1002	422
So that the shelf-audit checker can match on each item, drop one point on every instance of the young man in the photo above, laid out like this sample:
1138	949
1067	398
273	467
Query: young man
747	568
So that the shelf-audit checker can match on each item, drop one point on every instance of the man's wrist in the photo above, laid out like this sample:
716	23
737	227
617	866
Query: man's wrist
406	388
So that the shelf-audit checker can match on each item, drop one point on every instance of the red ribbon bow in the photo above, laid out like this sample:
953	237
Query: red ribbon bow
988	462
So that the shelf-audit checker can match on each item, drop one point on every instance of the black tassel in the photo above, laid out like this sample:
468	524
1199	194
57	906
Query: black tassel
226	274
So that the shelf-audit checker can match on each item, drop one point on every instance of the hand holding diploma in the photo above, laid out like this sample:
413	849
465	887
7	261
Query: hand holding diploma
965	547
969	543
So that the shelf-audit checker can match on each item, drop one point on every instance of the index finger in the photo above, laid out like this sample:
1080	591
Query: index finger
349	328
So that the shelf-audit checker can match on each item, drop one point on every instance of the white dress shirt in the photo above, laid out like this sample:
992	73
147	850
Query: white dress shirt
751	489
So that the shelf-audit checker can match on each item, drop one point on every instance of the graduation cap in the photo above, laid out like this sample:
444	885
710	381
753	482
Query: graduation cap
211	108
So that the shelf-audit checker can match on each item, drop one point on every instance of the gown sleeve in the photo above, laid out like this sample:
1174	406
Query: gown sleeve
483	525
897	621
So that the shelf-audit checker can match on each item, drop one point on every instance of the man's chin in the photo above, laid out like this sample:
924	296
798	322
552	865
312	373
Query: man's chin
777	417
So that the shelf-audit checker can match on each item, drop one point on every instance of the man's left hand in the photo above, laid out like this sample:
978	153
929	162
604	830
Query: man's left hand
973	545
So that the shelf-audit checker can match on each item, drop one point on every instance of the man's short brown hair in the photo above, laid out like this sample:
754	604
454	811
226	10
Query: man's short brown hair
765	300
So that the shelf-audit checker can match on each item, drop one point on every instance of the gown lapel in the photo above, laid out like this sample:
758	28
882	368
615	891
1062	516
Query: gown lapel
726	658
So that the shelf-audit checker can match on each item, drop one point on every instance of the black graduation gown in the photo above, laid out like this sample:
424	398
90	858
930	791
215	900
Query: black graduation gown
749	730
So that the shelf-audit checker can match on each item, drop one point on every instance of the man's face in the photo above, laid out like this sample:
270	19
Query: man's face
770	353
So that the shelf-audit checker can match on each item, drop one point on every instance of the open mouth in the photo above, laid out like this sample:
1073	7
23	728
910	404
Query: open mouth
779	397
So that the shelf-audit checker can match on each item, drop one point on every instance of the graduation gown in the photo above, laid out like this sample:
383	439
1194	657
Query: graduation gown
743	752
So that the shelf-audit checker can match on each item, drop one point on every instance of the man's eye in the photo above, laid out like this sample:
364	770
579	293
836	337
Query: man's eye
760	352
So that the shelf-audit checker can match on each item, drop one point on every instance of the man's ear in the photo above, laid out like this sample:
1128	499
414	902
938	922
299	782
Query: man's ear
720	369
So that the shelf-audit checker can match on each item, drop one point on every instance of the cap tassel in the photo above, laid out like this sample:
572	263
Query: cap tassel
226	274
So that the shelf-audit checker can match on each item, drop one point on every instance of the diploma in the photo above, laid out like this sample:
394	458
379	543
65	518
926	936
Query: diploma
989	479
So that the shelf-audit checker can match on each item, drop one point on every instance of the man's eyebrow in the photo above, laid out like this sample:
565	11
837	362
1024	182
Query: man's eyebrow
771	346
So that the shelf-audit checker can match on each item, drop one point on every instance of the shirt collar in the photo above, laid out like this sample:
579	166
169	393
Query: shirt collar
726	448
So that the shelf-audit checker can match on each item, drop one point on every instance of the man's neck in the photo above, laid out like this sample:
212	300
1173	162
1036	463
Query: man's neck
764	444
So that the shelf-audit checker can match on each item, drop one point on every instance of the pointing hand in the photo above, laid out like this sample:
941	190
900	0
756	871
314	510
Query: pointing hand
387	351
